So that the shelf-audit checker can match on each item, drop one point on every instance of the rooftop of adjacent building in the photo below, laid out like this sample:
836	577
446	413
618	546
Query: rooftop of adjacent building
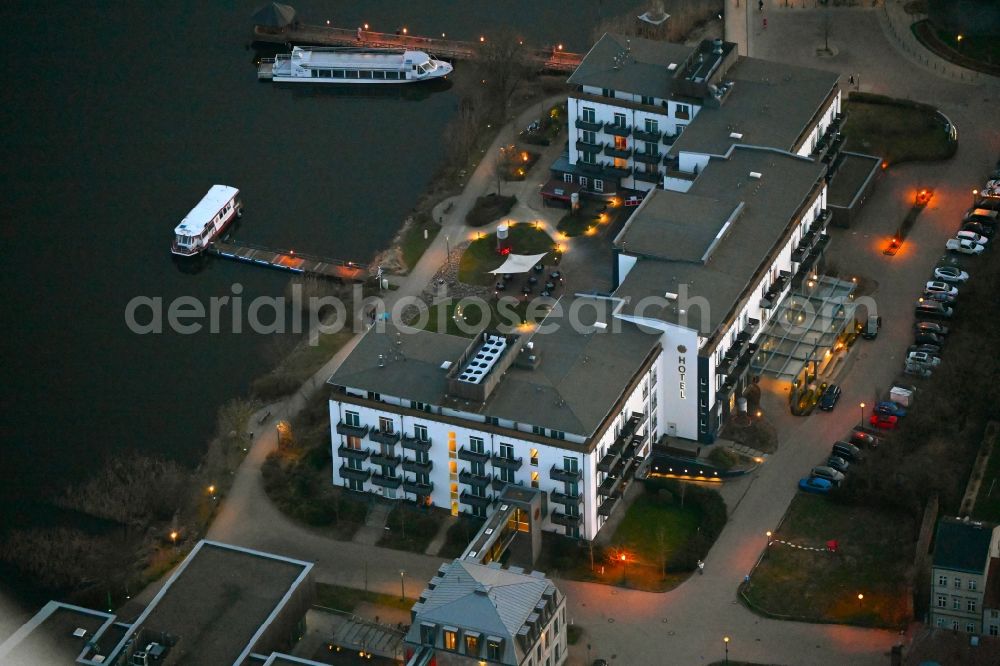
715	238
991	595
580	377
57	634
632	64
963	545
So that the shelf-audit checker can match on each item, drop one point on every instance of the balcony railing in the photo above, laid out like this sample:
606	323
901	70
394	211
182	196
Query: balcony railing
419	467
383	437
617	130
566	520
344	428
471	479
588	147
643	135
608	505
387	481
499	484
611	151
384	460
589	126
613	171
564	499
559	474
469	455
356	474
610	485
608	461
590	167
773	292
348	452
415	444
417	488
648	158
474	500
507	463
668	139
655	177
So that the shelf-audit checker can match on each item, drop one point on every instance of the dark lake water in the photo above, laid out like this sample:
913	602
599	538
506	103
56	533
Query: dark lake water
116	118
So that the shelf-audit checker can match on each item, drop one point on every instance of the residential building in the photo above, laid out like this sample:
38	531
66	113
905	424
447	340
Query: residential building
472	613
991	600
963	553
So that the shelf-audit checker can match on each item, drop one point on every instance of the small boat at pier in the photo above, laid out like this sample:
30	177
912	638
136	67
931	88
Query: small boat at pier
207	220
351	65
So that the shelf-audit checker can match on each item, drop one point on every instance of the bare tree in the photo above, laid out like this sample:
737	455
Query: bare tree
501	164
825	27
661	550
504	64
463	130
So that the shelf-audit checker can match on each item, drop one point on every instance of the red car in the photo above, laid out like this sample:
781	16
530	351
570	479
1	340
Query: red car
884	421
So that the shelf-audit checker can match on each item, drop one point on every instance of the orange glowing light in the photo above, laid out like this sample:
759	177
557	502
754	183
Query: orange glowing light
885	164
559	48
623	557
481	39
405	31
366	26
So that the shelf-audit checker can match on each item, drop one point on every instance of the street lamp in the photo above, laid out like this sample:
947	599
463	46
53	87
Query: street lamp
769	537
725	641
624	559
860	599
975	197
862	424
402	588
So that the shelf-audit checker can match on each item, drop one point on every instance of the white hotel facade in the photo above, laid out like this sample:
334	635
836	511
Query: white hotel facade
733	216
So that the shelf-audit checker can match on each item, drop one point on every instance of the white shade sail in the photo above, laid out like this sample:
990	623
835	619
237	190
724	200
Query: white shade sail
519	263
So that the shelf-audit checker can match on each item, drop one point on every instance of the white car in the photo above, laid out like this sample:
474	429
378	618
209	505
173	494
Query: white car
963	246
972	236
936	286
950	274
923	358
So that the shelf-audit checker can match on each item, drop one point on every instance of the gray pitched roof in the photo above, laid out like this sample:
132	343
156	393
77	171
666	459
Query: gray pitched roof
962	546
642	70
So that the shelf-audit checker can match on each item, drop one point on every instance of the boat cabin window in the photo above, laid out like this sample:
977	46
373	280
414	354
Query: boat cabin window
324	73
338	73
379	75
366	74
352	74
393	76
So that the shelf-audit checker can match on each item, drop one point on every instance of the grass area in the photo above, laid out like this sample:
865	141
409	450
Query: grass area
414	243
723	458
441	318
875	549
481	256
459	535
412	528
489	208
654	528
303	361
988	500
573	634
897	130
976	52
347	598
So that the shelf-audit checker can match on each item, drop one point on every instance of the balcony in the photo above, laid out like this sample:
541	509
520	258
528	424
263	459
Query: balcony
668	139
617	130
470	479
820	245
648	158
655	177
590	167
613	171
469	455
417	467
387	481
820	223
559	474
564	499
384	437
414	444
507	463
384	460
643	135
475	500
344	428
422	489
356	474
608	505
743	362
608	461
611	151
774	292
587	147
348	452
611	484
566	520
589	126
499	484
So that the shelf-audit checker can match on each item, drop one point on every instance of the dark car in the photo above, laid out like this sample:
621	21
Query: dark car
838	464
930	327
933	350
861	438
928	338
979	228
939	297
830	397
847	451
933	310
889	407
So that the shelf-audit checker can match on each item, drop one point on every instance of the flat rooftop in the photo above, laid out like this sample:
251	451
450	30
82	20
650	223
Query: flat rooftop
633	65
771	104
217	601
853	172
53	636
769	205
685	228
582	373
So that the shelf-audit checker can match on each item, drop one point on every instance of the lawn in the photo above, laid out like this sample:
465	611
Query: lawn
489	208
674	525
472	316
459	535
589	218
874	550
414	244
411	528
896	130
988	500
481	256
346	599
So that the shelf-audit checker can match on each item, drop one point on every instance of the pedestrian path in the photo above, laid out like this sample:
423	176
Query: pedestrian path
442	535
371	532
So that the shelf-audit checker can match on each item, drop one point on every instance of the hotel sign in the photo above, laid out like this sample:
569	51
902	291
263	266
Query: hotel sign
682	371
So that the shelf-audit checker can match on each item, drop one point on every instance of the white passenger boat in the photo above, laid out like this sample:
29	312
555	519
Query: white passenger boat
354	65
207	220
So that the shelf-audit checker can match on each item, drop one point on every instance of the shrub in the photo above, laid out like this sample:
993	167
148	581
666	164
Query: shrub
274	386
489	208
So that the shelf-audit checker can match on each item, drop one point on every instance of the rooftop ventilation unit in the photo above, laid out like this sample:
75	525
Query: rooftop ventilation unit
670	296
735	135
446	365
672	67
79	632
756	175
489	530
600	324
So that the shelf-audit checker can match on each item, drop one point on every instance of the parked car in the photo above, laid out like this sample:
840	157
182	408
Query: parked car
870	330
963	246
982	214
815	485
847	451
923	358
933	350
883	421
939	297
979	228
928	338
972	237
828	473
838	464
829	398
917	370
861	438
932	310
950	274
930	327
937	286
889	407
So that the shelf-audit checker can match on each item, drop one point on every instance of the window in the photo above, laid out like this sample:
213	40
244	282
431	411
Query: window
994	630
954	625
354	463
646	99
571	464
353	442
972	584
619	119
682	111
476	444
651	148
492	420
940	622
589	116
450	639
472	644
352	419
652	126
352	74
958	583
356	484
428	633
942	601
557	434
621	143
588	136
477	467
538	430
385	425
507	451
567	178
534	479
583	181
970	605
366	74
572	489
994	614
607	92
956	603
372	395
534	457
506	475
588	157
379	75
970	628
420	433
324	73
598	185
493	648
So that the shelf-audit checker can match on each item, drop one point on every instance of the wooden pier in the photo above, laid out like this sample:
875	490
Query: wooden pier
290	260
552	59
